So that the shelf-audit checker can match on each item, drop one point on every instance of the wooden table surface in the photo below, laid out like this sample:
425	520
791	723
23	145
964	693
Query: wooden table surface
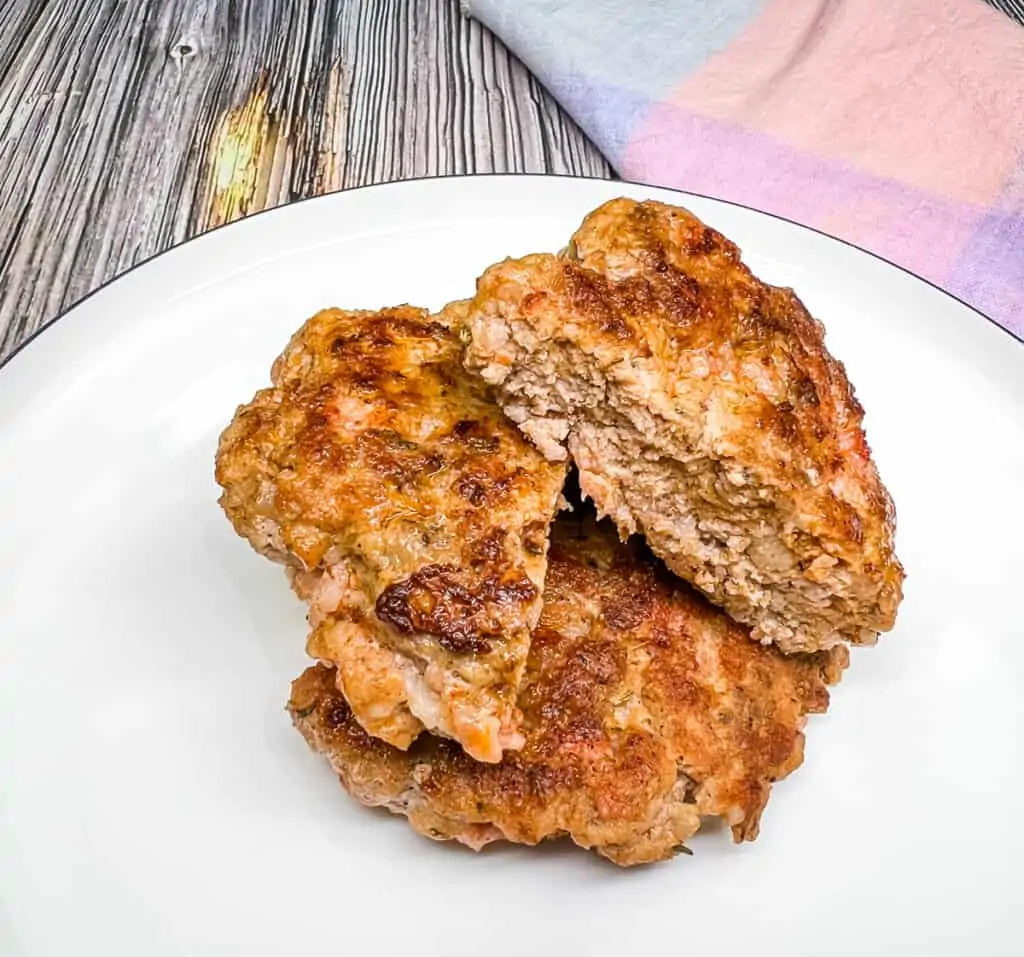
127	126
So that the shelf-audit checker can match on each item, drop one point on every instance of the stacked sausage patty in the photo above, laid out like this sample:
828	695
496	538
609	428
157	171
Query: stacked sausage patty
703	411
412	515
644	710
495	672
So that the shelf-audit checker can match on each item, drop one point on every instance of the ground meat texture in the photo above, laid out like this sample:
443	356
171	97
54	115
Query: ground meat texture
643	707
413	516
702	410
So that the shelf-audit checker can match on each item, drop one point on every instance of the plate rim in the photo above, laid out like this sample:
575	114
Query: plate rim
5	361
433	862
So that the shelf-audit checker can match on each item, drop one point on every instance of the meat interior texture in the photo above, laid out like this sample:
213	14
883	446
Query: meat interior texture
413	518
703	410
644	709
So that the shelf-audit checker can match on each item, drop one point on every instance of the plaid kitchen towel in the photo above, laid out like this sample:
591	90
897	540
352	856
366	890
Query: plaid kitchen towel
897	126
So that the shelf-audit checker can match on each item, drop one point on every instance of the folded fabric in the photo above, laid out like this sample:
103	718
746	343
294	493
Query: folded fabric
898	127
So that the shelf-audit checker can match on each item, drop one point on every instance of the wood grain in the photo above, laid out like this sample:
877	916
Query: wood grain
128	127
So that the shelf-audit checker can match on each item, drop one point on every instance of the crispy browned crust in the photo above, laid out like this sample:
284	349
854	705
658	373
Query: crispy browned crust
644	708
414	515
651	353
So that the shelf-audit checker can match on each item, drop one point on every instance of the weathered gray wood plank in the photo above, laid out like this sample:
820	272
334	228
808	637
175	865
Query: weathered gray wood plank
128	127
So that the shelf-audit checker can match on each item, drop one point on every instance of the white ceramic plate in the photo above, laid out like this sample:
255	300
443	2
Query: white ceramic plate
154	798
